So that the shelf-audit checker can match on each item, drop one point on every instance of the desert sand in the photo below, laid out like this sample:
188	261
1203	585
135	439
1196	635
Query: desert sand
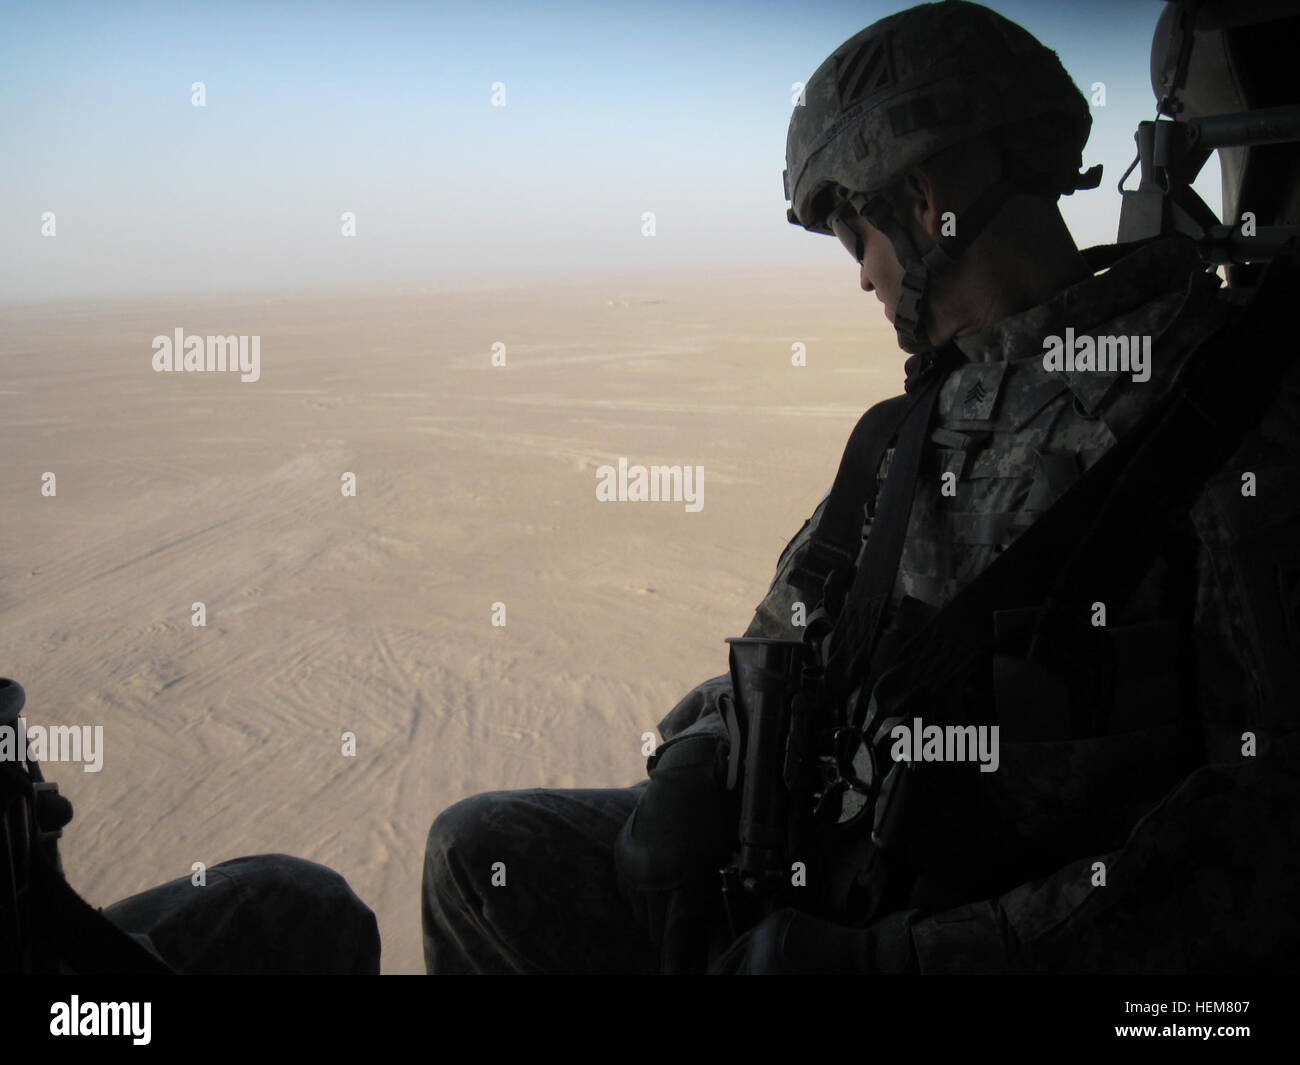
475	484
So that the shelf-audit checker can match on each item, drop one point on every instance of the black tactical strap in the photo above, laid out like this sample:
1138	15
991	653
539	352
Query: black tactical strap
1097	542
1103	256
835	542
858	623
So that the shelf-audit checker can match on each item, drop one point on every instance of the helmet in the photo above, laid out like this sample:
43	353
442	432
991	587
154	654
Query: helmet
909	86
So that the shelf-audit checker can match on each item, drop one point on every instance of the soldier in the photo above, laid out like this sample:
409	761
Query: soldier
1143	809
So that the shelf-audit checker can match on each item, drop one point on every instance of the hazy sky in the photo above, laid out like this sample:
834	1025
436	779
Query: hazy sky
384	109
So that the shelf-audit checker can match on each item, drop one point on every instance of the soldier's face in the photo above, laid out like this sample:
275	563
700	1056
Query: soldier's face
879	271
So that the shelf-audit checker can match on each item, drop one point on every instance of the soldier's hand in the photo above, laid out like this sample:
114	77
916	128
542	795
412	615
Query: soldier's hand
790	942
668	853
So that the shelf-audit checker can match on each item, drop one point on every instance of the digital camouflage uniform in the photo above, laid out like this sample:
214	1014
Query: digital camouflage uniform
1201	870
1190	889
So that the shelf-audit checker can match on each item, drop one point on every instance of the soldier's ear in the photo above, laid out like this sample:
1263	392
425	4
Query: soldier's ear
919	195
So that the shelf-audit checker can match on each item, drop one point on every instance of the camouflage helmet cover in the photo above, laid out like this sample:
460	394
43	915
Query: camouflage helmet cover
913	84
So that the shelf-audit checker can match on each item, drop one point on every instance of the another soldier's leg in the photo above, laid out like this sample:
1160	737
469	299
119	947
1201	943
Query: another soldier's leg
524	882
267	913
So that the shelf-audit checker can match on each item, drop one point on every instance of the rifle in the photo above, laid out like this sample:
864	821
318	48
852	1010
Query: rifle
793	764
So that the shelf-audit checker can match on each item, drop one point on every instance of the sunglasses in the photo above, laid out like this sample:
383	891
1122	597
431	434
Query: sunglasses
838	221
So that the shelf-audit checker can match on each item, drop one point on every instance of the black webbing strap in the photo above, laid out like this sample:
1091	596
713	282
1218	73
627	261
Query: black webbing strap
836	541
1097	541
1103	256
859	620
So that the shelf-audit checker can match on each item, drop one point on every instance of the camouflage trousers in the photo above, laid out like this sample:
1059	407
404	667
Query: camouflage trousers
264	914
524	882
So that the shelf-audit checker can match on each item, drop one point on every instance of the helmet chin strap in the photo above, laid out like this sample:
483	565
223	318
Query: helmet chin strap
918	268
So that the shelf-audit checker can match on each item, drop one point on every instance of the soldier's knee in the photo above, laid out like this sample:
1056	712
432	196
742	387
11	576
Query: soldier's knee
462	832
309	909
285	876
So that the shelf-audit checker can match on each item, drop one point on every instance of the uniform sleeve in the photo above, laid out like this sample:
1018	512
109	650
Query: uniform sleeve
773	619
1208	879
1206	882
